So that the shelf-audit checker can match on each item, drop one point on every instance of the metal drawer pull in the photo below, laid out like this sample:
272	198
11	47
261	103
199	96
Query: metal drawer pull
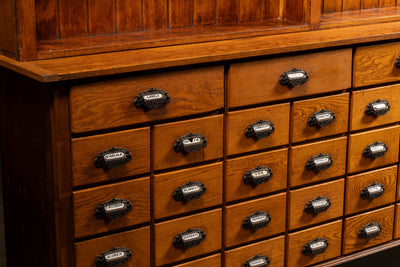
317	205
258	175
259	130
113	257
190	143
375	150
112	158
113	209
189	238
321	118
319	162
257	220
377	108
257	261
152	98
373	191
397	62
189	191
370	230
294	77
316	246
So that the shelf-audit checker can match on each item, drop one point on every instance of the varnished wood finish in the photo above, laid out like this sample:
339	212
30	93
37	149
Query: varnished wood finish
8	41
211	261
398	186
73	19
396	233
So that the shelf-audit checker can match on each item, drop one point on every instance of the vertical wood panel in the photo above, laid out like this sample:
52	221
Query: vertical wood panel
312	13
47	27
27	43
387	3
180	13
73	18
250	10
129	16
204	12
101	17
332	6
366	4
227	11
271	9
294	10
155	14
349	5
8	41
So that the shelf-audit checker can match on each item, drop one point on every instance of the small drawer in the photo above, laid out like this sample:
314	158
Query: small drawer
309	246
397	222
111	103
94	158
271	251
317	161
256	174
211	261
368	229
134	246
258	128
319	117
373	149
185	142
370	190
255	219
187	237
187	190
259	81
110	207
315	204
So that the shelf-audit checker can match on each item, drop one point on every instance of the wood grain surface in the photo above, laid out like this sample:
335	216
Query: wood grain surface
210	261
396	233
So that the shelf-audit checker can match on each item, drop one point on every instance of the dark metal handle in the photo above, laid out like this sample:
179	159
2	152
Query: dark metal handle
190	143
113	209
375	150
189	191
113	257
152	98
321	118
189	238
370	230
316	246
397	62
259	130
293	78
317	205
377	108
319	162
112	158
373	191
258	175
256	221
257	261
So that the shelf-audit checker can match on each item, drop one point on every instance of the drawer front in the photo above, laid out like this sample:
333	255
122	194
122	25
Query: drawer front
319	117
364	191
111	103
137	241
93	208
173	194
241	169
166	232
363	114
331	232
375	64
211	261
352	239
397	222
165	136
237	231
258	81
243	133
358	160
315	204
85	150
303	155
273	249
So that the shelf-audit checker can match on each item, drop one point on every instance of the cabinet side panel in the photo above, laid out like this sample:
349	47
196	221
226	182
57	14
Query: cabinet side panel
8	40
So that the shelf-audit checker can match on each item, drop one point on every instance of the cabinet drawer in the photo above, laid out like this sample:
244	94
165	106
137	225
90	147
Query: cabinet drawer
273	249
137	241
111	103
84	151
309	154
331	232
319	117
246	132
361	146
364	191
353	238
315	204
237	169
368	107
166	232
93	215
211	261
168	200
166	136
258	81
239	218
397	222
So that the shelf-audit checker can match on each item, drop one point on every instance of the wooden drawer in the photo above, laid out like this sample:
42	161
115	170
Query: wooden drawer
306	112
300	155
240	121
359	142
211	261
165	186
165	136
258	81
397	222
299	216
375	64
360	100
357	201
86	203
273	248
352	226
236	169
137	241
110	103
235	232
165	233
84	150
332	232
